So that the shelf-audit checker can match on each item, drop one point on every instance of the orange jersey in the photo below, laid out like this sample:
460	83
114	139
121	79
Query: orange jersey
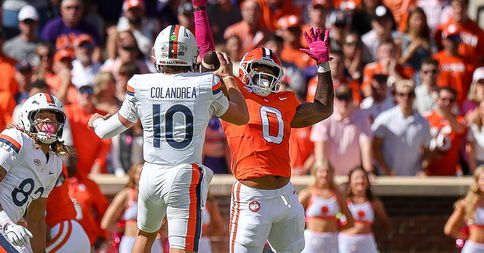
249	39
446	143
8	82
7	105
300	146
471	47
261	147
454	72
297	57
90	148
93	204
353	84
59	204
270	17
374	68
54	83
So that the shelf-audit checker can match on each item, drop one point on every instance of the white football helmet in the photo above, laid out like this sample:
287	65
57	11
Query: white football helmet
261	83
43	102
175	46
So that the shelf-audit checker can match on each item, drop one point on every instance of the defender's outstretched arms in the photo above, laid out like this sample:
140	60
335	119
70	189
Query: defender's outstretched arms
203	33
307	113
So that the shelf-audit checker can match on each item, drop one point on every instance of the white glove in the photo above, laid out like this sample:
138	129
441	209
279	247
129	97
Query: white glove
16	234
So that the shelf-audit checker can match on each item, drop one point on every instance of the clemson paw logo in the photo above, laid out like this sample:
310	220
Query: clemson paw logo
324	209
361	214
254	206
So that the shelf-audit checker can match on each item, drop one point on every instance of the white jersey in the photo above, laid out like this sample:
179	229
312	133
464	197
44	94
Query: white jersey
29	174
174	111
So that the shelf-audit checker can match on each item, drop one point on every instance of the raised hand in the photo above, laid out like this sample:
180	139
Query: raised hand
198	3
318	47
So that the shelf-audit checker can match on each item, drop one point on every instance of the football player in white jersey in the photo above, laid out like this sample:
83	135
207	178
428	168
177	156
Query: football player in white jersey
174	107
29	168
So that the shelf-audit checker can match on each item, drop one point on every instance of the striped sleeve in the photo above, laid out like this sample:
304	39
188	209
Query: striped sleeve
130	88
10	146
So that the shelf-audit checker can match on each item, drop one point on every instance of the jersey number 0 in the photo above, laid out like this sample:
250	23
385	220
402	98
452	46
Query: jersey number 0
265	113
169	126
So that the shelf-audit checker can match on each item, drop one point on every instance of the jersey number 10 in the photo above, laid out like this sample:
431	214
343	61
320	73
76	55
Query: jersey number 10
169	126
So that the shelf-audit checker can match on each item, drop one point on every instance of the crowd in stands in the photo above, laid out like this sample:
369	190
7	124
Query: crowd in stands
408	79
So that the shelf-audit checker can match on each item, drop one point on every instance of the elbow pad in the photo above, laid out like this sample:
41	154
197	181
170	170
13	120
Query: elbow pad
109	128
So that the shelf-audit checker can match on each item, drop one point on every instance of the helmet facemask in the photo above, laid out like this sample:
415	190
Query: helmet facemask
263	83
46	130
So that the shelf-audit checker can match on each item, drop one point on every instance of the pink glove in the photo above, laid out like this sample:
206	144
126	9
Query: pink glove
318	48
198	3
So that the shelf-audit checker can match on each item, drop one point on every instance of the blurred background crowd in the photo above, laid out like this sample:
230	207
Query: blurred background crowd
407	74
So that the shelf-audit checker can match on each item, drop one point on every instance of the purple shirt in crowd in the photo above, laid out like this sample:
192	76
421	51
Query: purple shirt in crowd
61	36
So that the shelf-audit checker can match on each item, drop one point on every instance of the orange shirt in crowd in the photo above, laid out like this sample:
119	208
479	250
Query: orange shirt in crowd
374	68
93	204
7	105
300	147
353	84
250	39
445	142
454	72
261	147
54	82
270	17
59	200
297	57
90	149
399	7
471	47
7	75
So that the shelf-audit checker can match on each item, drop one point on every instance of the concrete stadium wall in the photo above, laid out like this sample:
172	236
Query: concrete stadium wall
418	207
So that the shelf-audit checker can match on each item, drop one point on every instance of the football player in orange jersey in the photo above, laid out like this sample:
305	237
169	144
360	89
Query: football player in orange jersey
264	205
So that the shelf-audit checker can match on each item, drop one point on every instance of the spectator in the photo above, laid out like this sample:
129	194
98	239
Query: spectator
10	10
221	15
292	74
447	130
233	46
383	27
364	208
380	98
134	19
128	51
272	11
322	202
433	10
301	151
105	93
471	45
339	26
454	70
185	15
249	29
22	47
414	45
469	211
399	8
318	11
387	64
426	92
401	136
91	150
126	71
339	78
361	20
83	68
7	70
476	92
475	139
62	31
356	55
60	80
43	64
23	76
124	208
344	139
290	29
38	86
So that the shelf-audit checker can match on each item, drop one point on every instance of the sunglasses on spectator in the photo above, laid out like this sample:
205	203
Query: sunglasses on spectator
351	43
344	97
451	100
86	90
433	71
130	48
75	7
406	94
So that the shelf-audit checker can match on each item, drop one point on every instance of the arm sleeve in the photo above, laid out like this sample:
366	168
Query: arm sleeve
203	33
10	146
220	103
109	128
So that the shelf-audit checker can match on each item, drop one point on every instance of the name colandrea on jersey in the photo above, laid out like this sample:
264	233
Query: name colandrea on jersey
173	92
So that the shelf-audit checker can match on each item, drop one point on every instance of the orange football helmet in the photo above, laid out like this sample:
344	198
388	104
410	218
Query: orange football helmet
262	81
